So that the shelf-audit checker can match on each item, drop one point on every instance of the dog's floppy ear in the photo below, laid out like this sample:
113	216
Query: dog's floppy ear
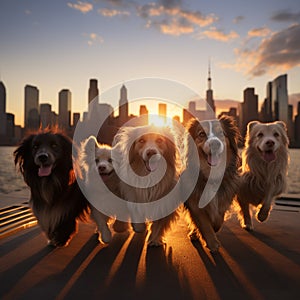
251	125
192	127
23	154
282	124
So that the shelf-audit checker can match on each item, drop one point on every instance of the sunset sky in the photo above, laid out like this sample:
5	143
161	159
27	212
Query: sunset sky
62	44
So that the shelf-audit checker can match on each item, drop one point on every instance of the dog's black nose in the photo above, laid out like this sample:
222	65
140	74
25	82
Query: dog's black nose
270	143
151	152
102	168
43	157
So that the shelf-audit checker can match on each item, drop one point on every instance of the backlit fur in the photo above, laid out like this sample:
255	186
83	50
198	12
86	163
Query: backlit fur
265	163
144	147
96	160
45	161
217	138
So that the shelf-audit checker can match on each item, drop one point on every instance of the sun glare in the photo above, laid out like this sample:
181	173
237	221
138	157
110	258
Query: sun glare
160	113
159	120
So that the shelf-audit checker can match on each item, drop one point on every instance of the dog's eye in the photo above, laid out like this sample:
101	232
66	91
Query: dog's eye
34	147
97	160
53	145
142	141
109	160
276	134
202	134
159	140
260	135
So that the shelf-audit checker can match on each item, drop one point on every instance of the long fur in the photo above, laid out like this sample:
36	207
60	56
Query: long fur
209	219
56	199
127	141
263	172
96	160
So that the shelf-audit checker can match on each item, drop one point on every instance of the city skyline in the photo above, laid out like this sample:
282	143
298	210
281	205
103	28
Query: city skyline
59	44
40	115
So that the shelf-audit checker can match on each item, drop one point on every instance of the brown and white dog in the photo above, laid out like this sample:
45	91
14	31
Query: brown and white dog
215	144
96	161
264	169
146	153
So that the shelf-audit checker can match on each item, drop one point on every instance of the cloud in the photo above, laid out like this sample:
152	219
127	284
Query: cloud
218	35
93	38
27	12
113	12
278	52
83	7
286	16
170	18
174	27
259	32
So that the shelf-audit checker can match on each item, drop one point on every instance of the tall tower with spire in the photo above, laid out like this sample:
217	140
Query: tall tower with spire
210	103
123	106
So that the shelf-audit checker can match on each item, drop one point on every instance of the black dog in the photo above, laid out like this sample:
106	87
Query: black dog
45	161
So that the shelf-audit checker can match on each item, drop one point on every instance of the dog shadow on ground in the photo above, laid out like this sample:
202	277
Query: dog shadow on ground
125	269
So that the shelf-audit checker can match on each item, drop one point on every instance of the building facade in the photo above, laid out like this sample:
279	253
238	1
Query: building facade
3	119
31	115
64	109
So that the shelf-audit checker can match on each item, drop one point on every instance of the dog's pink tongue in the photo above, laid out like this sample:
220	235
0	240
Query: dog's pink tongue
269	156
45	171
153	162
213	159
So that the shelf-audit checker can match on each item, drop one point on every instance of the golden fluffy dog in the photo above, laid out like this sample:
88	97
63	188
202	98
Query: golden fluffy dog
216	149
146	153
264	169
95	161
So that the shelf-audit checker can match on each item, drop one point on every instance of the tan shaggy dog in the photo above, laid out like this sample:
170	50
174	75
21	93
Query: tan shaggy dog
143	151
217	151
264	169
95	160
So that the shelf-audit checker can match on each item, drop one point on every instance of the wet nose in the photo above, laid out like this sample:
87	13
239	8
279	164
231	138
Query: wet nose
151	152
270	143
215	145
43	157
102	168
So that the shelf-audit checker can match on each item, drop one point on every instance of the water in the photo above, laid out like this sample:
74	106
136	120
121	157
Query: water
11	180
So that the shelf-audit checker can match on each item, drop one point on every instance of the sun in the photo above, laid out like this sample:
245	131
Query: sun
160	112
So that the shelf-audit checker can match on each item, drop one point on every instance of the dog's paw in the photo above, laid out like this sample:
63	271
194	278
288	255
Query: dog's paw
120	226
262	215
248	227
139	227
105	236
156	243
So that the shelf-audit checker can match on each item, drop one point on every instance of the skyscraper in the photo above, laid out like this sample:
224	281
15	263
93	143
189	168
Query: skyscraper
144	115
162	111
45	115
280	98
32	120
249	109
123	106
210	103
64	109
3	119
93	90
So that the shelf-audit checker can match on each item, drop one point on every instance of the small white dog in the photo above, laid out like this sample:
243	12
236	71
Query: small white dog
265	163
96	160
